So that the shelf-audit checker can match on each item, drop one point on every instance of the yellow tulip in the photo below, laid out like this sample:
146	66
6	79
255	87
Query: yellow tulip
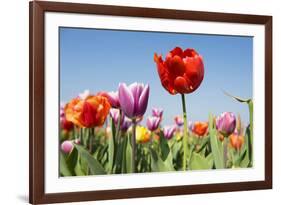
142	134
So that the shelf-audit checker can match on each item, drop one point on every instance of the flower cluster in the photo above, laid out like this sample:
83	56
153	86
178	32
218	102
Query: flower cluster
106	128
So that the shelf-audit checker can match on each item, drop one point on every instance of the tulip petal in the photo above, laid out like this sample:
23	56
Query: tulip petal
126	100
181	85
190	52
194	71
136	90
176	66
143	101
164	74
177	51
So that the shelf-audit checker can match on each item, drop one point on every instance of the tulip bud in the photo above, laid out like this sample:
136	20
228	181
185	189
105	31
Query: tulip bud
67	146
236	141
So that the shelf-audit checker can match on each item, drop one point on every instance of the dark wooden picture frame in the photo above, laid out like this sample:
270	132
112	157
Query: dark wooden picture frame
37	98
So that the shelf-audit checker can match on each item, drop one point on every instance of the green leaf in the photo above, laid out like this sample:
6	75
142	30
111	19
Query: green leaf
169	162
71	159
250	133
246	161
124	152
101	152
94	165
164	147
203	145
120	156
216	145
128	156
210	159
240	158
158	165
199	162
79	171
111	147
176	149
242	100
64	170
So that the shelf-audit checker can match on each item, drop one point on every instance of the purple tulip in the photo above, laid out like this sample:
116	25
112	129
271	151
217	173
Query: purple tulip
114	113
169	131
157	112
113	99
67	146
226	123
133	99
179	121
152	123
126	124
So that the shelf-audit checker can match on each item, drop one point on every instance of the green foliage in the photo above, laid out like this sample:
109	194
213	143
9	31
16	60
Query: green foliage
128	156
164	147
200	162
216	145
158	165
64	169
94	166
111	147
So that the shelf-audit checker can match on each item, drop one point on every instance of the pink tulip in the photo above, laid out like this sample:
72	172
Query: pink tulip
67	146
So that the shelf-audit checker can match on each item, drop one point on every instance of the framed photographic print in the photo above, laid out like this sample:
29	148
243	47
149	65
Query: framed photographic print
138	102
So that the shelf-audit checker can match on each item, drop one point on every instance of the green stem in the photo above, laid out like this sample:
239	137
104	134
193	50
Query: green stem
92	136
134	146
118	126
185	133
76	132
151	137
80	135
250	104
225	144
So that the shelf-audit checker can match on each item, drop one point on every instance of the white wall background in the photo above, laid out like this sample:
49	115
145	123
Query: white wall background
14	99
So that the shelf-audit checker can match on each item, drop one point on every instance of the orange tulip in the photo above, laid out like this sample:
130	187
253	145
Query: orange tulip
200	128
236	141
89	112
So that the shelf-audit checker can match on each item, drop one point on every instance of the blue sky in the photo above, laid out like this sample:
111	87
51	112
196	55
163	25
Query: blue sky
99	59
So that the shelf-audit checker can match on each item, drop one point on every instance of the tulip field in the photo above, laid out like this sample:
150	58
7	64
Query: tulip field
108	133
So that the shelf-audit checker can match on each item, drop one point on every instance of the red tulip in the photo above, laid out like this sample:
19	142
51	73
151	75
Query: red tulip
181	72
